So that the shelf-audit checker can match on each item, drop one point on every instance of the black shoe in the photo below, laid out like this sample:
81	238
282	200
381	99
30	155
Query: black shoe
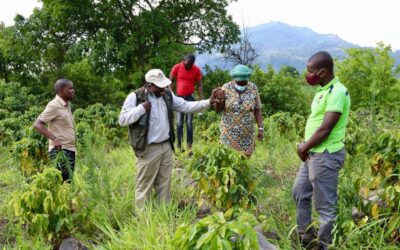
309	239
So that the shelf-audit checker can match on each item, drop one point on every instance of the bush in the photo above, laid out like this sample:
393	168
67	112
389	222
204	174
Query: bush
383	184
287	124
217	231
224	176
280	92
45	206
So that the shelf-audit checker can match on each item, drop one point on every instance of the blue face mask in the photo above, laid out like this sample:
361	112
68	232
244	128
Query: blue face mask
240	88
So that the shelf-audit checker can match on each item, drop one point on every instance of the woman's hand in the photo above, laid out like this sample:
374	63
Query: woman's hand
260	135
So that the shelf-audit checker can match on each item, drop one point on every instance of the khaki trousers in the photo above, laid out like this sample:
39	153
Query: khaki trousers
154	169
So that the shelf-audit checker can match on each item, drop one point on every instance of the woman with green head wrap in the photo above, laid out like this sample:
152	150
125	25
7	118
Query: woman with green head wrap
240	106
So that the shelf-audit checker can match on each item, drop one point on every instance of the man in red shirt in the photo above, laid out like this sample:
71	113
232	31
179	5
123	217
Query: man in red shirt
187	75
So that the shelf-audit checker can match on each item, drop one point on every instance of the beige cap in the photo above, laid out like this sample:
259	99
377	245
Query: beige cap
157	77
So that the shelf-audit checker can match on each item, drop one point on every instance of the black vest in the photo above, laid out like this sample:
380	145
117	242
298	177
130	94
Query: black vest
138	131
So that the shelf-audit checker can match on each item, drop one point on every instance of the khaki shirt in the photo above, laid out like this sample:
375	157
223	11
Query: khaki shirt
60	123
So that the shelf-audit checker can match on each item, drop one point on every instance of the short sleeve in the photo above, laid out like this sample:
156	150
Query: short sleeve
174	70
335	102
48	114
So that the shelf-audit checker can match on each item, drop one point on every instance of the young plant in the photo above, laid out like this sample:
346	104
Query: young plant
45	206
218	231
224	176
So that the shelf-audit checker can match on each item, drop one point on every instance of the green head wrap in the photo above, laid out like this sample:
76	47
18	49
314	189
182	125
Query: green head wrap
240	73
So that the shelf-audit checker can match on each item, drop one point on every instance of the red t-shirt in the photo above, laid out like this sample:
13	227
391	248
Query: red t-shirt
185	79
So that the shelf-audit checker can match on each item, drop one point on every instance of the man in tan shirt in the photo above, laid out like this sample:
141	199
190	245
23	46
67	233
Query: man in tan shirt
60	127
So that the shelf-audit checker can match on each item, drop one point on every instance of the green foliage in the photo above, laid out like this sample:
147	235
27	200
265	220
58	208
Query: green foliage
214	78
379	193
15	97
31	151
207	126
368	75
116	36
45	206
224	176
289	71
103	120
280	92
218	231
91	88
284	123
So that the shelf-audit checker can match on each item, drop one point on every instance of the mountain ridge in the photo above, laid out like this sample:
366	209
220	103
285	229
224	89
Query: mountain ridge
281	44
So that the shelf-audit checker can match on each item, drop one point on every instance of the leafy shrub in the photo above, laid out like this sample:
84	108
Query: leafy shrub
384	184
15	97
99	121
4	113
280	92
217	231
10	130
224	176
214	78
287	124
31	151
45	206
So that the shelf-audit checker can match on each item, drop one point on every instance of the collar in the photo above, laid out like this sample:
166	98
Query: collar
59	99
332	82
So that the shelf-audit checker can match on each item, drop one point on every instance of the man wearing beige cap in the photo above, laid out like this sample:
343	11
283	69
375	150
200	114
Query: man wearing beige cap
148	111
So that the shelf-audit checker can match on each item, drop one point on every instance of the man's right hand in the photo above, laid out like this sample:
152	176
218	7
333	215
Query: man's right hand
147	106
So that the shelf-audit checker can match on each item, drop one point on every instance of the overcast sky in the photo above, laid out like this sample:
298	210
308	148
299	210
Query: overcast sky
363	22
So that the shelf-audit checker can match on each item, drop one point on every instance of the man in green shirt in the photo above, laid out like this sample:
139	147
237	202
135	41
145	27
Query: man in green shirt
322	152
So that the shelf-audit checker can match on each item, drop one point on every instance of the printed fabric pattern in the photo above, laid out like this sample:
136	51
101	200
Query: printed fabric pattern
237	123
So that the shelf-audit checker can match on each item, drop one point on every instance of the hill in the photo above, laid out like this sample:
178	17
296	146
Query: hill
281	44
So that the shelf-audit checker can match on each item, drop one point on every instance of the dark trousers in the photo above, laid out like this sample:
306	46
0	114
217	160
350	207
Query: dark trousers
180	117
64	161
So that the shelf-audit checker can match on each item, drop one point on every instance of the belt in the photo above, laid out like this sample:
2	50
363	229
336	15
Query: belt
153	143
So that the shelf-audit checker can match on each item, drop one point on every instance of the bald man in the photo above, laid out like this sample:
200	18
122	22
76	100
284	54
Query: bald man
322	152
60	127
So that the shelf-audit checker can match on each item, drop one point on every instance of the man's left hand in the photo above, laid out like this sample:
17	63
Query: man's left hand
302	152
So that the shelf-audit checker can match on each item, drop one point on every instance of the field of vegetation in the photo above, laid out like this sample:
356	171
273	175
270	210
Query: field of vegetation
218	196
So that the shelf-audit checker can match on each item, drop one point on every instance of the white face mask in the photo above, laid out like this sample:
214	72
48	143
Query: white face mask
240	88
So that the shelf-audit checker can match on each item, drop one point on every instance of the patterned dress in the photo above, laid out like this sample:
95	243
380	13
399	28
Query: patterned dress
237	123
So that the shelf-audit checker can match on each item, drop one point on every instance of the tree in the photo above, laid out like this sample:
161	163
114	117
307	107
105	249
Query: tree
369	76
280	92
112	39
243	52
131	34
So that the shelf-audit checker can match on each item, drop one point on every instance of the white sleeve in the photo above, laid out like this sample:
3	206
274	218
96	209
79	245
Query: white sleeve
180	105
130	113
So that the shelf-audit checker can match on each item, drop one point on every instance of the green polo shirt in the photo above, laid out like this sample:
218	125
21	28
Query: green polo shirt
332	97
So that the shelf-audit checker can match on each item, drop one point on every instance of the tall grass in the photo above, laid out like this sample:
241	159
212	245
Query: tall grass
104	187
